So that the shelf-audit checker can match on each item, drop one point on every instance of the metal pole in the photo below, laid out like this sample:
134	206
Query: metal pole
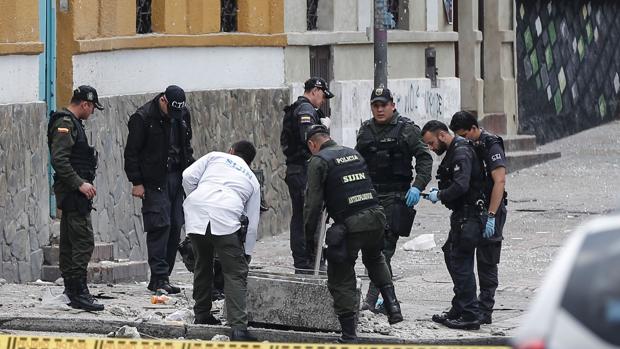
380	41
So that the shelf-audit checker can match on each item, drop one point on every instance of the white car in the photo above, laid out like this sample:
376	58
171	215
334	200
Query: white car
578	305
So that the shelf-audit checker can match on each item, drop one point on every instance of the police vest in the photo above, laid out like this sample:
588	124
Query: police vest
389	161
83	157
290	139
348	188
475	195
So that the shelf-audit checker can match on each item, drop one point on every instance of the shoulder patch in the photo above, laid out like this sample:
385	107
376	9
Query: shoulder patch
305	119
62	130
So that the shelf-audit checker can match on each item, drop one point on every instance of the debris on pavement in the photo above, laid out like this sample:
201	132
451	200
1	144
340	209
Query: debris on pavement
421	242
125	332
220	338
184	315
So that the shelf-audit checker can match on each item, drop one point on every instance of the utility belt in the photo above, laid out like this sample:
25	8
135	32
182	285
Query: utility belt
469	210
391	187
75	201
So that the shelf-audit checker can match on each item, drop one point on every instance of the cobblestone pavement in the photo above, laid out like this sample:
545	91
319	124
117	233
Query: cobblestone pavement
546	202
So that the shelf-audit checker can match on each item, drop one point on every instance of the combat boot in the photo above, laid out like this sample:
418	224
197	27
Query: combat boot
463	324
206	319
348	327
80	297
391	304
242	335
449	315
371	298
163	284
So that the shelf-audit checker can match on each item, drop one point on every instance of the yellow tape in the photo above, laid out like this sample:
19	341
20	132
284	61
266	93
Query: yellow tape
31	342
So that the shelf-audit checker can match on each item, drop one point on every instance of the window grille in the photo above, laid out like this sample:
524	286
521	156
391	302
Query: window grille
312	16
143	17
229	16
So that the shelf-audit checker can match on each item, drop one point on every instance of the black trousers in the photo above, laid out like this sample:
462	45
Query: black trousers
162	213
459	251
487	259
296	180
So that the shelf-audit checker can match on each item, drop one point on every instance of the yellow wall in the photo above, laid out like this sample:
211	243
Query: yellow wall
19	21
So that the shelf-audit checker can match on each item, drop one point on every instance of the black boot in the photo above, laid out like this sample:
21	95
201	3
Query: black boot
371	298
449	315
348	325
463	324
80	297
242	335
391	304
163	284
206	319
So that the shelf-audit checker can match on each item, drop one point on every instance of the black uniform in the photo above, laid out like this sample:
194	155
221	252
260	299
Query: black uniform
490	149
338	176
461	183
158	150
297	119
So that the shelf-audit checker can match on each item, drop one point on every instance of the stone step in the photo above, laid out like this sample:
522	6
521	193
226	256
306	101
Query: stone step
102	252
105	272
514	143
292	301
519	160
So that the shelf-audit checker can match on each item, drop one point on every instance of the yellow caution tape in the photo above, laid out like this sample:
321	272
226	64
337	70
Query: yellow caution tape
32	342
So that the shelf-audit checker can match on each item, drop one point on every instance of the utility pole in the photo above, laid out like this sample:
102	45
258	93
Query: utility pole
380	41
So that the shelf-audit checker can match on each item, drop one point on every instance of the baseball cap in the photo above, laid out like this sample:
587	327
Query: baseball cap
314	129
88	94
320	83
176	100
381	95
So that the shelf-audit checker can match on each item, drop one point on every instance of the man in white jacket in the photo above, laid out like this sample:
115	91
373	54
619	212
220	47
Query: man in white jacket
221	191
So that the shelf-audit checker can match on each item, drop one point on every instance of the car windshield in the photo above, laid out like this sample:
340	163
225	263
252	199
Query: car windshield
592	294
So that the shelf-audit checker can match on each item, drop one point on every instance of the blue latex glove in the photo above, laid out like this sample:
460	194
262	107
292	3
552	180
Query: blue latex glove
489	230
432	196
413	196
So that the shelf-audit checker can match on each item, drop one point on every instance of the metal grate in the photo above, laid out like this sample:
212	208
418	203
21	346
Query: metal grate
312	14
143	17
229	16
392	15
320	65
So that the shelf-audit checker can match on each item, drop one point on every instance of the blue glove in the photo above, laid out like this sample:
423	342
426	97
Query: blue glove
432	196
413	196
489	230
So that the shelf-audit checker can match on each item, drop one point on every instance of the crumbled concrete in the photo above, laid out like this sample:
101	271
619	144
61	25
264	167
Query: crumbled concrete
125	332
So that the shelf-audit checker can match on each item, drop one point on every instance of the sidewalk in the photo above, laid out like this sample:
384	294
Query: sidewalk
546	202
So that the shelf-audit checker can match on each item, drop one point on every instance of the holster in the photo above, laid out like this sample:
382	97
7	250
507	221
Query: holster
77	202
402	219
242	233
187	254
335	238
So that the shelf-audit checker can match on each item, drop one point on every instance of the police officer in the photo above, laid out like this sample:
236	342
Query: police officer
490	150
75	162
339	177
389	142
460	190
158	150
298	118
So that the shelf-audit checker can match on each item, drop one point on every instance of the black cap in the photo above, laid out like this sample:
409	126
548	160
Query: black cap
320	83
176	100
88	94
314	129
381	94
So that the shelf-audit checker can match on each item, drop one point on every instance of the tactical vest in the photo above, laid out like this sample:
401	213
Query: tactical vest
289	137
475	196
348	188
388	159
83	157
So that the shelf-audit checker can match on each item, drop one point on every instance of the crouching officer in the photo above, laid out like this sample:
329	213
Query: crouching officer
339	177
75	162
460	190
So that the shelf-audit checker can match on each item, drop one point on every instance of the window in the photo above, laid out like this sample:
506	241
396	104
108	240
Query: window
143	17
320	65
312	14
229	16
592	294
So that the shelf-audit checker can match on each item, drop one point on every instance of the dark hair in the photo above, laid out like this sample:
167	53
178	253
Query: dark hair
463	120
434	126
76	100
245	150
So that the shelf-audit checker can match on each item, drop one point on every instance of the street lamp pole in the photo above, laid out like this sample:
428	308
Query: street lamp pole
380	43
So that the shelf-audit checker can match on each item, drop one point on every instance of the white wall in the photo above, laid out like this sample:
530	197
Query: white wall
19	79
414	98
127	72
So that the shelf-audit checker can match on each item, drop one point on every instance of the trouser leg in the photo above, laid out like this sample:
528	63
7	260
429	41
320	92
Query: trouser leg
235	269
80	233
203	272
296	182
177	219
487	258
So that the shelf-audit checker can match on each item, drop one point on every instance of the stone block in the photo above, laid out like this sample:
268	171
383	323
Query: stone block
291	301
516	161
102	252
105	272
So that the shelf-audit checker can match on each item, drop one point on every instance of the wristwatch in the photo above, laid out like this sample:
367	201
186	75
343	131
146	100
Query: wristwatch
491	214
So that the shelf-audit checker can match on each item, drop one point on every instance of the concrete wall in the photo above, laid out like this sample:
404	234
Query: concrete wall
414	98
20	74
568	67
126	72
24	193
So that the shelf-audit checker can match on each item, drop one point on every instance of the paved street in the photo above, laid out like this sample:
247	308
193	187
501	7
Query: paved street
546	202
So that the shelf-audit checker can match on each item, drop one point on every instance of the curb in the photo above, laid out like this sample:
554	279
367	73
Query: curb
206	332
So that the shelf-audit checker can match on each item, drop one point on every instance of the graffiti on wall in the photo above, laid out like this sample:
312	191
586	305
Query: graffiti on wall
415	100
568	66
